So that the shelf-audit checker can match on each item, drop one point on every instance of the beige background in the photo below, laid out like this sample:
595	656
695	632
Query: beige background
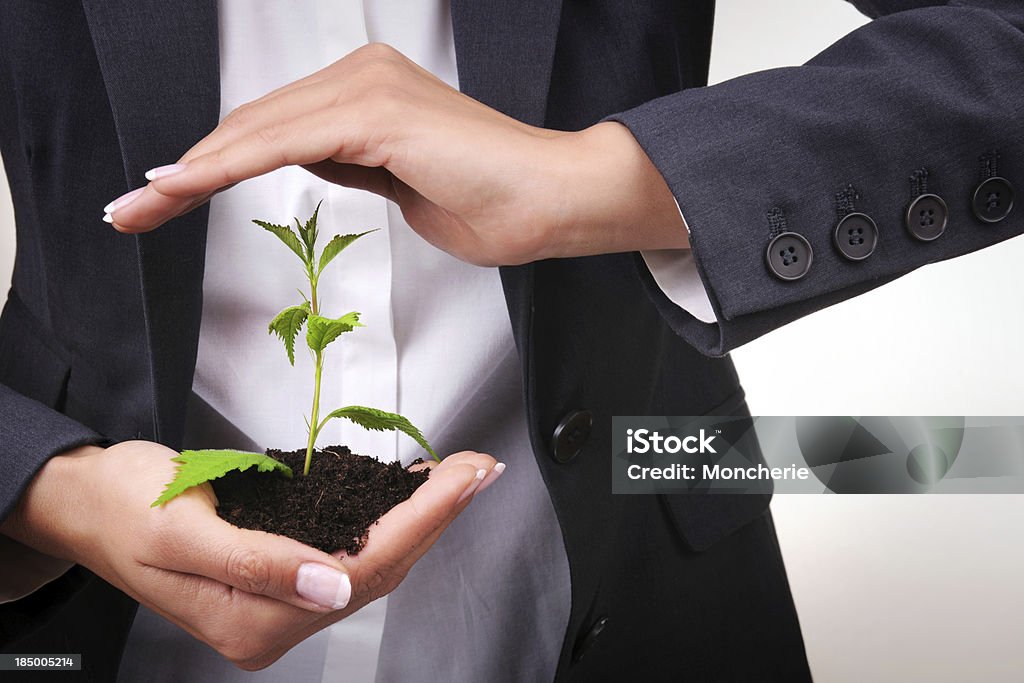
888	588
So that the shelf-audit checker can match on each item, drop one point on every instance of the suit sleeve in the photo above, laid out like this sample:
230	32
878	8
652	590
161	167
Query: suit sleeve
923	102
30	434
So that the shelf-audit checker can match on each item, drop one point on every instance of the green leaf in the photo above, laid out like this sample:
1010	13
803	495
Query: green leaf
197	467
309	232
321	331
336	246
287	324
285	234
381	421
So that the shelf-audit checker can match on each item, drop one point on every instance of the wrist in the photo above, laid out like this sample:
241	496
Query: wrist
619	202
49	516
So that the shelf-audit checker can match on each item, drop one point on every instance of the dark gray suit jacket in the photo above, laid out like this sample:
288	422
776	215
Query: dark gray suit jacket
98	336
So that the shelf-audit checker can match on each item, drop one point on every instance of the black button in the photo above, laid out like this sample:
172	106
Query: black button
583	644
993	200
570	435
926	217
789	256
856	236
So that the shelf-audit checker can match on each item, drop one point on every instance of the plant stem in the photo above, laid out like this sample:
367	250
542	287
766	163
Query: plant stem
313	429
314	308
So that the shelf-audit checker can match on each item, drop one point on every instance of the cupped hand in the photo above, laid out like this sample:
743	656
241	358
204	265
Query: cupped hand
249	594
474	182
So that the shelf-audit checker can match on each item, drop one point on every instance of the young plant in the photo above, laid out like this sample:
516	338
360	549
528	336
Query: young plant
196	467
321	331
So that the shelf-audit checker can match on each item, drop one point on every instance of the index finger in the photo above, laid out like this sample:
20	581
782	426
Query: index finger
307	139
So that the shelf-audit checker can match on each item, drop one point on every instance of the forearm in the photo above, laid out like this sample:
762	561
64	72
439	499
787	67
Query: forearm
616	199
48	518
38	536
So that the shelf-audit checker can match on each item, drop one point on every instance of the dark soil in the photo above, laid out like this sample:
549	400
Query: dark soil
331	509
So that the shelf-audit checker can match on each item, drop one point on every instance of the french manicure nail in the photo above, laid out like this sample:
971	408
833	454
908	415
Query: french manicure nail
491	477
323	585
164	171
123	201
473	485
107	218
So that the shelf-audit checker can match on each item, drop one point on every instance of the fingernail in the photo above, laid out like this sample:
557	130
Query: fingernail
491	477
107	218
123	201
323	585
473	485
164	171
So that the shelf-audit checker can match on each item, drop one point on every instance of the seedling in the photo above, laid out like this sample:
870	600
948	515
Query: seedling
197	467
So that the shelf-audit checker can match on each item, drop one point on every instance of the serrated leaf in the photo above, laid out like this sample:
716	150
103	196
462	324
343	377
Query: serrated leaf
308	232
336	246
198	467
285	234
321	331
287	324
381	421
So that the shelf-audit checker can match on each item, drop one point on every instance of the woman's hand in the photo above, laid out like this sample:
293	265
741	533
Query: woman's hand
478	184
248	594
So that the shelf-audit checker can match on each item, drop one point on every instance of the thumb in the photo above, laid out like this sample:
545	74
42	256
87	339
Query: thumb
265	564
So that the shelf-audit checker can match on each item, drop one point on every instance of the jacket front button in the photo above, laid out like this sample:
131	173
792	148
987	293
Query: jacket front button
570	435
586	642
926	217
993	200
856	236
789	256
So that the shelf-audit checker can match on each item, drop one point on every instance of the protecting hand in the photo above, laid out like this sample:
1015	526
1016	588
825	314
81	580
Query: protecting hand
249	594
482	186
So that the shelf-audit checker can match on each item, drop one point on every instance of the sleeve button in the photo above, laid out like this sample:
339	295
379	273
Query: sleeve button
789	256
926	217
856	236
993	200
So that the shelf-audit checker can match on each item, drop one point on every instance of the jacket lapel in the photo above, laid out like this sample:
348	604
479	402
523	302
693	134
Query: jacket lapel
161	71
505	52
